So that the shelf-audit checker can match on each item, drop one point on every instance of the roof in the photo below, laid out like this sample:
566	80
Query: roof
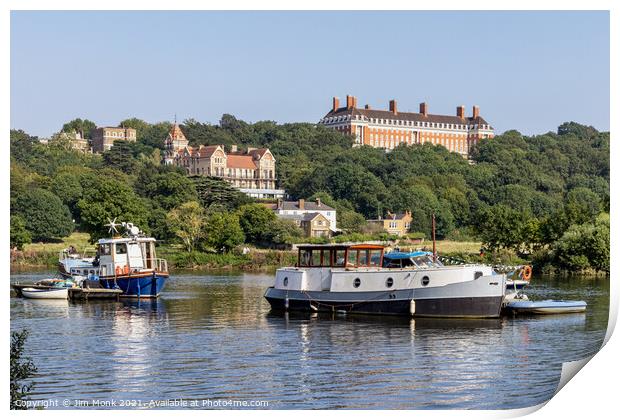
240	161
308	206
311	216
176	133
399	255
341	246
405	116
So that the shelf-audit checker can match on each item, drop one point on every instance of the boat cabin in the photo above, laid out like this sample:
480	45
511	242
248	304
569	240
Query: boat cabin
340	255
121	256
417	259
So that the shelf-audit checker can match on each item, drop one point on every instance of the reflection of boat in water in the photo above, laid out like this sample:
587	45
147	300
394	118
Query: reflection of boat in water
354	279
125	262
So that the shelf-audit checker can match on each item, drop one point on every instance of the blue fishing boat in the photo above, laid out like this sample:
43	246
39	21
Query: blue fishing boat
128	262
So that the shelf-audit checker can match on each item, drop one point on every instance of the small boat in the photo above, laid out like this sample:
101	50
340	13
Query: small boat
32	293
546	306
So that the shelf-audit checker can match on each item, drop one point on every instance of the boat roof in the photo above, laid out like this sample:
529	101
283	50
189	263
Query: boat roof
124	239
394	255
341	246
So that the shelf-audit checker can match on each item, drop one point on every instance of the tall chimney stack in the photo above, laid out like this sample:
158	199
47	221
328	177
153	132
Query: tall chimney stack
367	106
354	102
349	102
460	111
302	204
393	108
336	104
476	111
424	109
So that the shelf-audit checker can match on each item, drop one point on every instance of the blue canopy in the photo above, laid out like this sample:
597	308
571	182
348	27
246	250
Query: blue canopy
395	255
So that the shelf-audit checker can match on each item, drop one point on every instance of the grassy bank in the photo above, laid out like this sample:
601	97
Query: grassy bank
46	255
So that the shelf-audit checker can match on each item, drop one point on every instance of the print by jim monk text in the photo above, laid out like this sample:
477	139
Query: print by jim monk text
129	403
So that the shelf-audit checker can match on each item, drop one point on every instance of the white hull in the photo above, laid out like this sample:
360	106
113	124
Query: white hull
32	293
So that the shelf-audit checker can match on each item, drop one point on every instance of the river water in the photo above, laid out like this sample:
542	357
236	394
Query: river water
211	339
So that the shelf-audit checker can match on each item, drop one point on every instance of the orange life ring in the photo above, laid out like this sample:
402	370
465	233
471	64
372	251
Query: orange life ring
118	270
126	270
526	273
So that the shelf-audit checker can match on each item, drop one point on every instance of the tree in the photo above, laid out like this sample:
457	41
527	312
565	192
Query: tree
500	226
22	368
165	186
222	231
106	198
284	232
584	246
45	216
582	205
215	191
19	234
187	222
120	156
256	221
78	125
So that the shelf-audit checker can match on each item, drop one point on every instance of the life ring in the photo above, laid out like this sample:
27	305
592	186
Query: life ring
526	273
126	269
119	270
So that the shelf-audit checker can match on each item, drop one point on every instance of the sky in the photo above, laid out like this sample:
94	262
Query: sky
529	71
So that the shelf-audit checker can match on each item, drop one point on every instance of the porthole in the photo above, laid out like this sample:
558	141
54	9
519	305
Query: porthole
357	282
285	281
425	281
389	282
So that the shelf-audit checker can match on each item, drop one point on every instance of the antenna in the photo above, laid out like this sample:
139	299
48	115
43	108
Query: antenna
112	226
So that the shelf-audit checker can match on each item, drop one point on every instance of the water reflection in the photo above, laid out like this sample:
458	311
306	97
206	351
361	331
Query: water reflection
215	337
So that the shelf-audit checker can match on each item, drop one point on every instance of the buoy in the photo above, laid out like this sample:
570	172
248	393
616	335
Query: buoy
526	274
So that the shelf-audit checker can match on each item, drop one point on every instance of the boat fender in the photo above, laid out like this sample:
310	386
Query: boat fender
286	303
412	307
526	273
314	308
126	269
118	270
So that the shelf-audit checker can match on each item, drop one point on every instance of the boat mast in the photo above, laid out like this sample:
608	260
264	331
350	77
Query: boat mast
434	244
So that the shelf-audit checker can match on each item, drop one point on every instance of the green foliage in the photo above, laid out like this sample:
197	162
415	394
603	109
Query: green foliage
78	125
22	369
214	191
19	234
222	231
256	221
45	216
584	246
165	186
105	198
187	222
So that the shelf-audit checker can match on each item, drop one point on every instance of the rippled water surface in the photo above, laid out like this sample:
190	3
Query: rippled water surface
213	337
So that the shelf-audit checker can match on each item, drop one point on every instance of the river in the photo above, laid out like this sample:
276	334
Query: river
212	338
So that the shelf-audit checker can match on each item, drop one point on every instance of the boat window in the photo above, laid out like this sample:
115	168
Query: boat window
316	258
425	281
357	282
285	281
352	259
121	249
338	257
423	261
364	257
375	257
105	249
306	257
389	282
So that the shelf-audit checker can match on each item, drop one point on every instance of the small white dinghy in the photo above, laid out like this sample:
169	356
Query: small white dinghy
546	306
32	293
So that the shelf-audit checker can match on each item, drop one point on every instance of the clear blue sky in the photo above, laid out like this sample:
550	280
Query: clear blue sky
529	71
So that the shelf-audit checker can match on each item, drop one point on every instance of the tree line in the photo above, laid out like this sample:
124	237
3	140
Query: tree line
543	196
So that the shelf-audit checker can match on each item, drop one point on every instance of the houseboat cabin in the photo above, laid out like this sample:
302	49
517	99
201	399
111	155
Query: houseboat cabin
122	256
340	255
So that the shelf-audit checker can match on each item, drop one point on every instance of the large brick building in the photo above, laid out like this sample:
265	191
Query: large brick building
253	170
389	128
103	138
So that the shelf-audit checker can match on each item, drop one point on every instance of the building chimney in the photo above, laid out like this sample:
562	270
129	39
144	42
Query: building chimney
424	109
460	111
336	104
280	204
367	106
349	102
302	204
393	106
233	148
476	111
318	202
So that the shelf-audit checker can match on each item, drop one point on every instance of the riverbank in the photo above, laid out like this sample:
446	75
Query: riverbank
45	255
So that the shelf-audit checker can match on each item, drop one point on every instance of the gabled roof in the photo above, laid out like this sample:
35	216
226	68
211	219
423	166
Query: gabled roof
308	206
176	133
240	161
